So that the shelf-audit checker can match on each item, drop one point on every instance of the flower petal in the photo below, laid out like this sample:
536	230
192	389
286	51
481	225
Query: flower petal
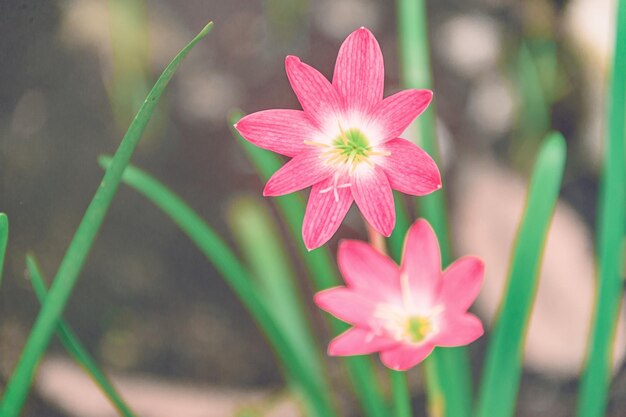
326	209
372	193
458	330
421	262
357	341
359	71
282	131
395	113
304	170
461	283
318	97
346	305
367	271
404	357
410	170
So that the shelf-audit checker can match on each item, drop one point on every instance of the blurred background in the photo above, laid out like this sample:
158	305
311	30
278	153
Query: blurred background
150	308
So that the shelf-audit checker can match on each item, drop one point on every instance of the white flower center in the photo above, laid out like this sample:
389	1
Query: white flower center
348	150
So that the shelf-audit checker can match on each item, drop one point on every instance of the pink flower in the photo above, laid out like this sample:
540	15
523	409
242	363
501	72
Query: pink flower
403	312
345	141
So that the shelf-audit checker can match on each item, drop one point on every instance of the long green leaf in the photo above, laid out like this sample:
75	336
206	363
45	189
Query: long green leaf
72	344
4	240
76	254
503	362
321	270
596	376
449	377
401	394
257	235
232	270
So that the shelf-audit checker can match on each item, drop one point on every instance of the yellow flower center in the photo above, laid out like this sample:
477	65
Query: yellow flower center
349	149
416	328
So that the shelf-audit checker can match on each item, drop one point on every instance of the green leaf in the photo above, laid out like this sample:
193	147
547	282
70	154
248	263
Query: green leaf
233	272
76	255
4	240
596	375
321	270
503	362
449	378
73	346
258	237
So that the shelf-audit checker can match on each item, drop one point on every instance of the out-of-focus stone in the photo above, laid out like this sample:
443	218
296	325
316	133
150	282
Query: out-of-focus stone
64	384
590	26
487	208
337	18
469	44
491	105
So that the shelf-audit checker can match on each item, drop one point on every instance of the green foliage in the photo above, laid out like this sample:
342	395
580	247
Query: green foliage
449	376
73	346
236	275
596	375
76	255
503	363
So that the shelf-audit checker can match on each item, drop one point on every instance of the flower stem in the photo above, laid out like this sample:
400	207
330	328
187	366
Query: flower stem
376	240
596	377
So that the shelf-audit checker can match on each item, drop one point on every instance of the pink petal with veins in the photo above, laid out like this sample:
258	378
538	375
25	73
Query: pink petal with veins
359	71
281	131
372	193
304	170
395	113
461	283
368	271
318	97
356	341
329	202
458	330
404	357
410	170
346	305
421	262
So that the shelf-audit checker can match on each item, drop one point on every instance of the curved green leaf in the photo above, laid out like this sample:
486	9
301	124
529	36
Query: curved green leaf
503	363
596	375
72	344
233	271
76	254
448	373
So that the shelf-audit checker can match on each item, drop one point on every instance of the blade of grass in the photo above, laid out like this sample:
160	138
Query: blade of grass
612	206
535	108
73	346
450	376
321	270
401	394
231	269
503	361
257	235
4	240
78	250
